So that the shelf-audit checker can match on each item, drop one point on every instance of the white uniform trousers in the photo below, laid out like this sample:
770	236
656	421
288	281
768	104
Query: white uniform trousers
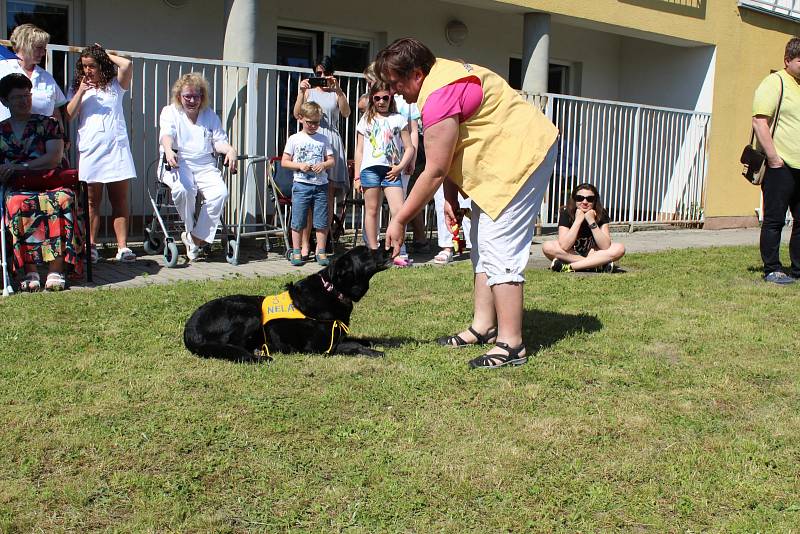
184	185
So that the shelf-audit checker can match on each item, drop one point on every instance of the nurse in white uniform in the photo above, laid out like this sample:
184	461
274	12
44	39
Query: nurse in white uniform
191	133
101	80
30	45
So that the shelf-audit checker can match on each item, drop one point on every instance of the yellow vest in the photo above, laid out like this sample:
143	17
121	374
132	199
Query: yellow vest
281	307
501	145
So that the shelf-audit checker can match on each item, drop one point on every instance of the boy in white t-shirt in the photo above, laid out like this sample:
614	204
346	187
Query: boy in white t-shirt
309	155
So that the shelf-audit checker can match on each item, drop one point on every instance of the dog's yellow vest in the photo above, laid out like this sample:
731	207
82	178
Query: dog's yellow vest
281	307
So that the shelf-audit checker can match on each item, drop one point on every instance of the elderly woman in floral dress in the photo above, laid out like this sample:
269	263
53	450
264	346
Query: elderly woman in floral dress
42	223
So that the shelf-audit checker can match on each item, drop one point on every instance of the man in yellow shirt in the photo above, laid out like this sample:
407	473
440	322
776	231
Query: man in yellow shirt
781	185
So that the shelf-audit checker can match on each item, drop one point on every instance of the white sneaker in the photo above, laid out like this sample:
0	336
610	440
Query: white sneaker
192	250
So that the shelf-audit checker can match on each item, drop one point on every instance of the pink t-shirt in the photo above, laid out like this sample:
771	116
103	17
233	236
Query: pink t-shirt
462	98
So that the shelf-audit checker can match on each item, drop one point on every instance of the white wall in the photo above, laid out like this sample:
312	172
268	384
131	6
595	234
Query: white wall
664	75
597	52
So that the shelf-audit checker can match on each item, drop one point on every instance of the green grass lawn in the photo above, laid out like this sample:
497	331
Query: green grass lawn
663	399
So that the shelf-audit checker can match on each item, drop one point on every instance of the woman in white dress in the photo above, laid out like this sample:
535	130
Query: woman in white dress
191	133
30	45
101	80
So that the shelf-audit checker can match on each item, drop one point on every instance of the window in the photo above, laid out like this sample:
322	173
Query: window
350	55
558	77
788	9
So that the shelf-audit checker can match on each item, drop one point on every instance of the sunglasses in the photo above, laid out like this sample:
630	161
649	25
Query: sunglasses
384	98
581	198
319	73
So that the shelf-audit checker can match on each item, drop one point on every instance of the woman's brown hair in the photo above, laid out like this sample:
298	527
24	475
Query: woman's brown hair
597	205
108	70
372	110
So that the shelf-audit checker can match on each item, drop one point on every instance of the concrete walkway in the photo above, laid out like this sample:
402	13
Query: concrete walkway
149	270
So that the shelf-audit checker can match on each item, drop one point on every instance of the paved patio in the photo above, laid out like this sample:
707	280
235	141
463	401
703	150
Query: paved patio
254	261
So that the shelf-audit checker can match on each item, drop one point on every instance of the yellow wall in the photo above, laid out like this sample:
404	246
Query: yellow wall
749	45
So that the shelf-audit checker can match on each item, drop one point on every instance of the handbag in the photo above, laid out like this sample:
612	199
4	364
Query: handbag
44	180
753	158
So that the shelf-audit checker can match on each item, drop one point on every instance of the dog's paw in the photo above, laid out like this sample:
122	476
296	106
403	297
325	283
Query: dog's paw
370	353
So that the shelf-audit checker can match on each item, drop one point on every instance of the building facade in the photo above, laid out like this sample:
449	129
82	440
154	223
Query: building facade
695	55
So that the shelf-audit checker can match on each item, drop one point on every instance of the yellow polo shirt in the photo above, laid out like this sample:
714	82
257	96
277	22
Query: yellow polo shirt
787	131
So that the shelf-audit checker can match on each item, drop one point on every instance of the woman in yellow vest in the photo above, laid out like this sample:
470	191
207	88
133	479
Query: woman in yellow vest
496	149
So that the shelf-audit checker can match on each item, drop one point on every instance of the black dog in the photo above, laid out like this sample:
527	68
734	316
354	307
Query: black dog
231	327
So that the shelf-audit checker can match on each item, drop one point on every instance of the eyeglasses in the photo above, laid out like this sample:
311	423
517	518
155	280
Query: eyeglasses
581	198
192	96
23	96
311	123
384	98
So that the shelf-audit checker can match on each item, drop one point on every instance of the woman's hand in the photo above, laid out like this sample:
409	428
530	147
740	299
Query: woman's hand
580	215
230	160
85	85
171	157
590	216
304	86
394	173
395	236
333	84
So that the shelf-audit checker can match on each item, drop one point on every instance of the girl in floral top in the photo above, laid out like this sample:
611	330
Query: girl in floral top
42	223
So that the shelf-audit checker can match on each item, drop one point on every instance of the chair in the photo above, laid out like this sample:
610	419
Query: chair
42	181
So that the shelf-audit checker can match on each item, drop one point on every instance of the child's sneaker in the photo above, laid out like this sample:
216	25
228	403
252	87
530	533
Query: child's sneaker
401	261
607	268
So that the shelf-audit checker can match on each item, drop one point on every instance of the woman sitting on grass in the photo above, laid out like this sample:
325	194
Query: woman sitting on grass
584	239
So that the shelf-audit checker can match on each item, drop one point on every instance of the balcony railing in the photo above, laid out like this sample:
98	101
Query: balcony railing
789	9
649	163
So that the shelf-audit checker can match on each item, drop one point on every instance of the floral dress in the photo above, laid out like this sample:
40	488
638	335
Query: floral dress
43	224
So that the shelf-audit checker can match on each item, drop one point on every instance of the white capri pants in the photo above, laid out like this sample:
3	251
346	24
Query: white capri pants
443	233
501	248
184	185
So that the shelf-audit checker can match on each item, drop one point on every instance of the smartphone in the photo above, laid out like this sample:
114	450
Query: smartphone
318	82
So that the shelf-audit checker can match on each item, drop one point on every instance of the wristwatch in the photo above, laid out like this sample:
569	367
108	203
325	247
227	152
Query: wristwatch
593	225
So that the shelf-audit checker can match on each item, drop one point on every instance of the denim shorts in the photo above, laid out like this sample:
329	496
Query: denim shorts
305	197
375	176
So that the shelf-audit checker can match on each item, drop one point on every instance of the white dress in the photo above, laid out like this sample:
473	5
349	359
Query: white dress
103	146
46	94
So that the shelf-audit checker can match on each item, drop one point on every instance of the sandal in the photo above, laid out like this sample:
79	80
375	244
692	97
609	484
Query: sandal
444	257
55	282
457	342
125	255
322	258
295	258
31	282
493	361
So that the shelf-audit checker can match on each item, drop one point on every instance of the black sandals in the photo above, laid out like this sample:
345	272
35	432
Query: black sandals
492	361
456	342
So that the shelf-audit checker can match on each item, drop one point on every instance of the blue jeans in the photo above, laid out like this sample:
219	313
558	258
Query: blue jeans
375	176
304	197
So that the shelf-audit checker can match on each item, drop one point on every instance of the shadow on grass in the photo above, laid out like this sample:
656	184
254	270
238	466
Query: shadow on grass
541	329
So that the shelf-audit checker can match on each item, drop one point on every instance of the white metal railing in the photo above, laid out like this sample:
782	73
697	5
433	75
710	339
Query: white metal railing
649	163
789	9
255	102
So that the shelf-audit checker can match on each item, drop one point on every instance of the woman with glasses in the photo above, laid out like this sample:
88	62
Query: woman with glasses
42	223
334	104
104	152
584	240
191	133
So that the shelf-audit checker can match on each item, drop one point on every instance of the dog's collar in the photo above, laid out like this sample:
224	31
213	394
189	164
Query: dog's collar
330	289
